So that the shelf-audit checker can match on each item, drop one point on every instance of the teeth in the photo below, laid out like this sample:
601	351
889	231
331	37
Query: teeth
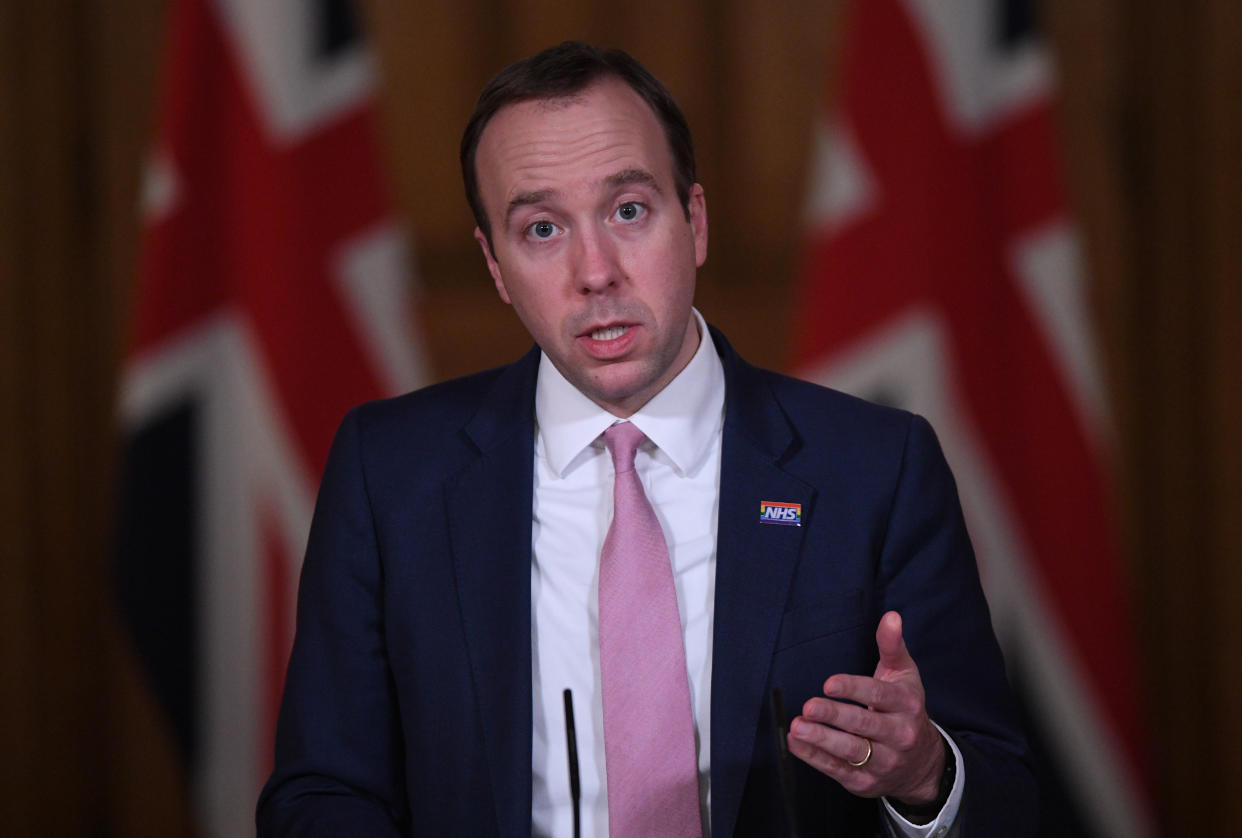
611	333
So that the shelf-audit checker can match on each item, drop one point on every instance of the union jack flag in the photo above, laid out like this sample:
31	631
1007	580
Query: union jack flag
273	295
943	274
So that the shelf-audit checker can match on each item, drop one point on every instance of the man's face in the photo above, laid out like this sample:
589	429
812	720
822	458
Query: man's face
592	248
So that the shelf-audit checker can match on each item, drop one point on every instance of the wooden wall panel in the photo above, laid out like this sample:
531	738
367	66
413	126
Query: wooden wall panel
17	739
1221	189
433	58
1166	313
55	677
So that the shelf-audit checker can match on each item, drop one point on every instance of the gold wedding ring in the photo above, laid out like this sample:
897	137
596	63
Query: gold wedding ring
865	759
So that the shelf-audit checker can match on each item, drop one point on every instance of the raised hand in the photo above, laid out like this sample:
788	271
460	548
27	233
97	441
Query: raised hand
887	747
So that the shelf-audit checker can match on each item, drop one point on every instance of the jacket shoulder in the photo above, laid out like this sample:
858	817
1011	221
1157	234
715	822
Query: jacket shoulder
813	410
437	429
809	409
483	399
833	410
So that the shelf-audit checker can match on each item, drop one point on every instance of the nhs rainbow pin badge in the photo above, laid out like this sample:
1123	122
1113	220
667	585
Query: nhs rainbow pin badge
776	512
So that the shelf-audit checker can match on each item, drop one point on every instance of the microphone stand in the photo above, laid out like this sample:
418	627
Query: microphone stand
571	745
783	761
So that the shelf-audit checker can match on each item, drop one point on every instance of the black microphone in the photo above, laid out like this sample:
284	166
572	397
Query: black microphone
571	745
783	767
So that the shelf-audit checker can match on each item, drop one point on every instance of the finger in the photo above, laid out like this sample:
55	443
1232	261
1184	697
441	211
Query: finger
880	695
892	645
863	781
843	749
847	717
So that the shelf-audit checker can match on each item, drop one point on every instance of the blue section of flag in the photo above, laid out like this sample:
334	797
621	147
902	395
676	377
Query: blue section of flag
157	561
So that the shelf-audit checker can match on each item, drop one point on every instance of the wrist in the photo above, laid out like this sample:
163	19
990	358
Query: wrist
926	809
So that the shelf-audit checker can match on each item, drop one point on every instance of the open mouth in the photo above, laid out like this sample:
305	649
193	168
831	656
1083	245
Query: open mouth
609	332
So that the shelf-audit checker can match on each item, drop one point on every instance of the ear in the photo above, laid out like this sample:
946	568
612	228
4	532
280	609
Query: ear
493	267
698	223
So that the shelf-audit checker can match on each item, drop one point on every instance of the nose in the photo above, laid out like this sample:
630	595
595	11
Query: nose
595	262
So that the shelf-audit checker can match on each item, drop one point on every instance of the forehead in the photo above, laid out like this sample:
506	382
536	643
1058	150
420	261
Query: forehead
570	143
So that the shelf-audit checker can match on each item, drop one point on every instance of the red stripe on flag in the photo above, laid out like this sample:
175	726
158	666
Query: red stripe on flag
1021	170
183	260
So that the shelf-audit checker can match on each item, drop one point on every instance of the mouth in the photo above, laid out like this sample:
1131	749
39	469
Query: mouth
609	343
608	332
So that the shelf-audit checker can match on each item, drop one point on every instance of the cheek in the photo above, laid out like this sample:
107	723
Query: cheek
537	308
677	273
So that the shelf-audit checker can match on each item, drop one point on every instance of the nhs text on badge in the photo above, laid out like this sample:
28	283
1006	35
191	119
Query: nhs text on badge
786	514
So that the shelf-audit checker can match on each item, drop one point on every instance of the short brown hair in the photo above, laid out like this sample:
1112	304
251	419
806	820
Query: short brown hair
561	72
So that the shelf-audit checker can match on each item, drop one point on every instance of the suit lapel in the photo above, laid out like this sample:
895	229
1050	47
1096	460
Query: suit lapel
754	567
489	511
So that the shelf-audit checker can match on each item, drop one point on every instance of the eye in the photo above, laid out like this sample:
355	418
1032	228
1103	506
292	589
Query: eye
542	229
630	211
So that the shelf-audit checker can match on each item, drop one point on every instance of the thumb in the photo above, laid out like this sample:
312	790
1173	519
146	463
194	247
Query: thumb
892	645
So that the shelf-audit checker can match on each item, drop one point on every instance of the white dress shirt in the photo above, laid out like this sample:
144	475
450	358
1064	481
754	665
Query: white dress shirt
679	466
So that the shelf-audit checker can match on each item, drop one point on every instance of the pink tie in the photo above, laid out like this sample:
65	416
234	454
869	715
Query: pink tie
653	787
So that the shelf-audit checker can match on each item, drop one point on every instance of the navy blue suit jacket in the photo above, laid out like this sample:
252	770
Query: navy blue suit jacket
407	708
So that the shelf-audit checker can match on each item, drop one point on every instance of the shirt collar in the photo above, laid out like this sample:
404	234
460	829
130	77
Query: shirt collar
681	420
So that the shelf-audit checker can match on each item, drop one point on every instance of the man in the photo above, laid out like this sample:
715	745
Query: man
464	567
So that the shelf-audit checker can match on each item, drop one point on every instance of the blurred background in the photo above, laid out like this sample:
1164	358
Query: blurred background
1148	133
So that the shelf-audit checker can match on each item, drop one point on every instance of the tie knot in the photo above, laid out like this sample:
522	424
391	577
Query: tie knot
622	440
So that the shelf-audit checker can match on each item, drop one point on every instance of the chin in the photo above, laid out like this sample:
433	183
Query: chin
615	392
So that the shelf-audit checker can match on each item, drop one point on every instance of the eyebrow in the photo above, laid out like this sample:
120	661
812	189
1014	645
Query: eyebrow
524	199
634	176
